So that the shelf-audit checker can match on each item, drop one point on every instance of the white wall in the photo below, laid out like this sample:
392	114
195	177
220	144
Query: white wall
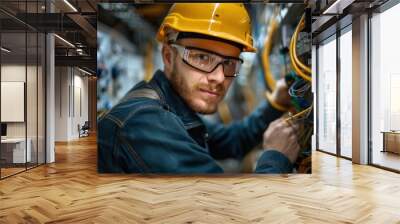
71	93
80	104
61	103
12	73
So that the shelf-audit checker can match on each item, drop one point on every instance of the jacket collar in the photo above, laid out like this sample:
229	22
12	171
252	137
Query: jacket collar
173	101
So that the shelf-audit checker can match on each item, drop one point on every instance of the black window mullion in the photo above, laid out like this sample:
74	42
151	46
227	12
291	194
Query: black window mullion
26	86
369	100
316	97
338	99
37	90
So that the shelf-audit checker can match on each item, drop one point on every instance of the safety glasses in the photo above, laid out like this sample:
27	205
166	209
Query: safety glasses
207	61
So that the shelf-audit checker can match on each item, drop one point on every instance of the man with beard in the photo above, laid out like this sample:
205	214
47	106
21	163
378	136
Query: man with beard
156	127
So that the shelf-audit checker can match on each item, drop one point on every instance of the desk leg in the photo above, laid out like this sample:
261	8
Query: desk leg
384	142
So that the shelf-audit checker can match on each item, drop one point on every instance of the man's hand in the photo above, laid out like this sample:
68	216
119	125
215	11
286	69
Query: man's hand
281	136
280	94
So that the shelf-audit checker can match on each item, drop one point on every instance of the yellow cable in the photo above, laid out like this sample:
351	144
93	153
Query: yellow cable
269	78
299	27
294	64
265	55
299	114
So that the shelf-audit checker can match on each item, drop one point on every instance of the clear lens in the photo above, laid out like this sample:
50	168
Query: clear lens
208	62
231	67
202	60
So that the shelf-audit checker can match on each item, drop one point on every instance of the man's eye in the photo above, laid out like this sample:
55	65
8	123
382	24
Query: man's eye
203	57
229	62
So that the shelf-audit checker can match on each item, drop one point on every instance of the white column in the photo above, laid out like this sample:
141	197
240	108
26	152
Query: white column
50	110
50	92
360	90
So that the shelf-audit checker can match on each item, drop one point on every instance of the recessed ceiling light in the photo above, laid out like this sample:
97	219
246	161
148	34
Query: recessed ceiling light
70	5
84	71
64	40
5	49
337	7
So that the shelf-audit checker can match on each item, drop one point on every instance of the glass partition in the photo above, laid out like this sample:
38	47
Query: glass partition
13	109
22	64
41	109
31	100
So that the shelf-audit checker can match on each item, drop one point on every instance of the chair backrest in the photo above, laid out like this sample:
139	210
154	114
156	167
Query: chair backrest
86	125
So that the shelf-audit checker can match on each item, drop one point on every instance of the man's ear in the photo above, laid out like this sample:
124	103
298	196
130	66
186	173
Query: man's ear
167	57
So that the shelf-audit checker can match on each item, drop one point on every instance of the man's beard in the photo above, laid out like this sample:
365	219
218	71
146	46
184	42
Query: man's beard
186	92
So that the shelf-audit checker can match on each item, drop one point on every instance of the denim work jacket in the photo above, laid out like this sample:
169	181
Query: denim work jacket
162	134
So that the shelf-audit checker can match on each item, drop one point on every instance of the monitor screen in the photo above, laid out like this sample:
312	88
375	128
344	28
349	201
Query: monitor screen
3	129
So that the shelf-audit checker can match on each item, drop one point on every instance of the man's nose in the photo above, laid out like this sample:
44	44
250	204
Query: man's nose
217	75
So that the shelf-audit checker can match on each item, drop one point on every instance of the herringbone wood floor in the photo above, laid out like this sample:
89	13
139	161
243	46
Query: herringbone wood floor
71	191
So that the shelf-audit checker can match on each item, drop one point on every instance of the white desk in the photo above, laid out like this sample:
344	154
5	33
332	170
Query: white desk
18	149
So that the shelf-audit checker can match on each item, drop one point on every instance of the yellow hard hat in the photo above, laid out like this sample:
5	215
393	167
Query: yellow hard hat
226	21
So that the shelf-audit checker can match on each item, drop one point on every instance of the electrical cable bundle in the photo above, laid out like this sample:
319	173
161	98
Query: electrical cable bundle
300	94
301	69
303	162
299	88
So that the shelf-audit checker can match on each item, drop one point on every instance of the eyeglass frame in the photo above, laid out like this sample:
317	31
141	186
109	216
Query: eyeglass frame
223	57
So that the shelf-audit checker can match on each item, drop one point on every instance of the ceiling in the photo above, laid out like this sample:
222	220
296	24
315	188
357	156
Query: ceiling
72	20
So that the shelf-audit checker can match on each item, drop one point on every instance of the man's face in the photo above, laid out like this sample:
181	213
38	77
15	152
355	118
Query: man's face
200	90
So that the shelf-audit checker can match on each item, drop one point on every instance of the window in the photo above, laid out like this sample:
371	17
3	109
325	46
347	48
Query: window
385	88
327	96
346	93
